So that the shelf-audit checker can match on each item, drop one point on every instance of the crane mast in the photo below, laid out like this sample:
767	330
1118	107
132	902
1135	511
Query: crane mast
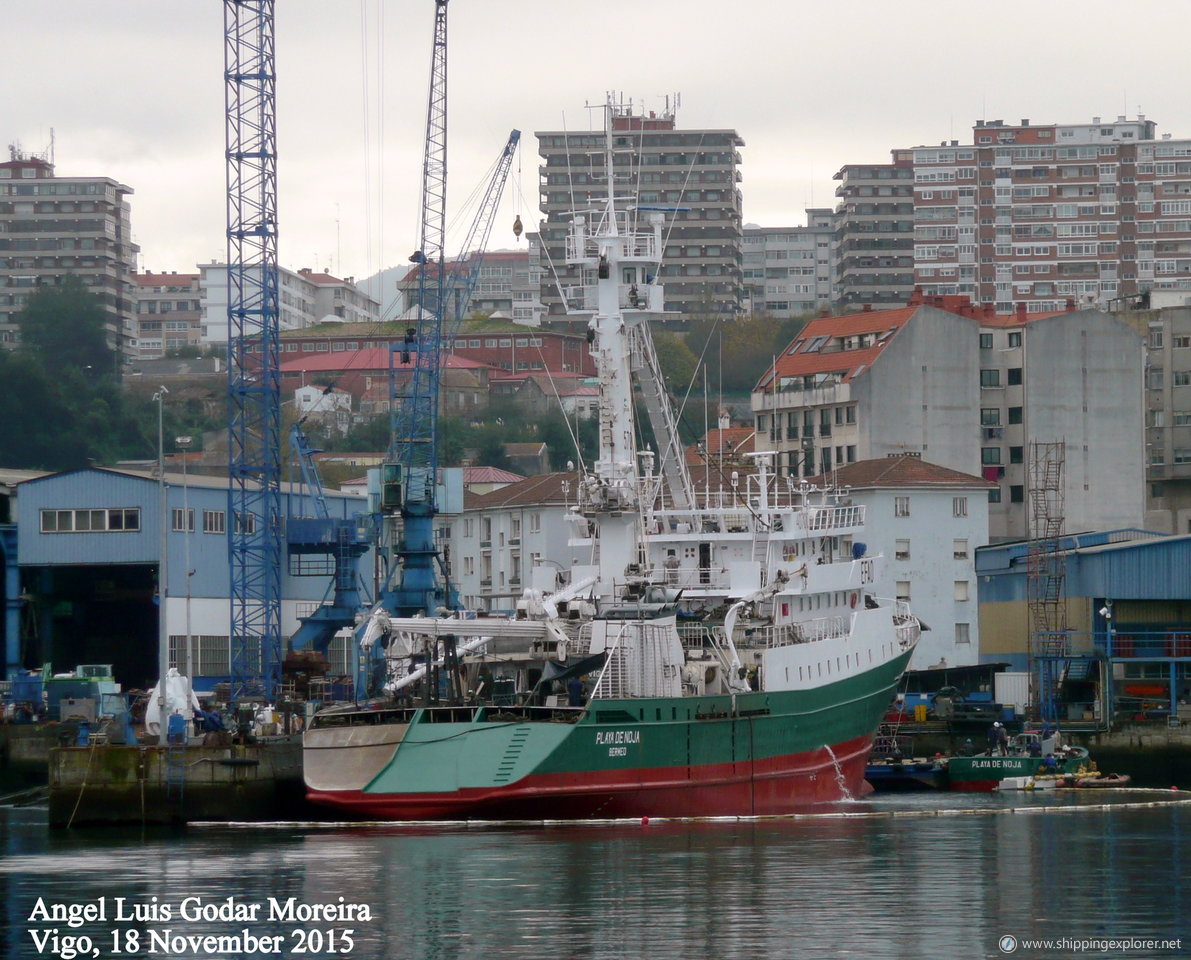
461	285
412	470
254	394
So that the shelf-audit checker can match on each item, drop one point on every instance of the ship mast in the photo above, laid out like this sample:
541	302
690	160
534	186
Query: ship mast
616	282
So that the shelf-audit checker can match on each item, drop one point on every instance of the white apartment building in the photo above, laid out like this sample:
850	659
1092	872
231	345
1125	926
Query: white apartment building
788	270
52	227
168	314
510	540
968	390
305	298
926	522
340	301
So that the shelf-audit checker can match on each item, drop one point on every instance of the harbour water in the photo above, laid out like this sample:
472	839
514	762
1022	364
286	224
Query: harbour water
929	876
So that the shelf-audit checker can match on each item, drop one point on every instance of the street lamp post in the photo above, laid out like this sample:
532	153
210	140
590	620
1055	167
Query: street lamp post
183	444
163	637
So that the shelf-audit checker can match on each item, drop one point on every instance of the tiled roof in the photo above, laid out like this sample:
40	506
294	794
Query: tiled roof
376	358
321	278
505	376
489	475
900	471
1019	319
847	363
734	441
546	488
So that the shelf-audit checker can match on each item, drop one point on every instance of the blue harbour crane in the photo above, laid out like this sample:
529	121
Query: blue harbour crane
254	398
411	471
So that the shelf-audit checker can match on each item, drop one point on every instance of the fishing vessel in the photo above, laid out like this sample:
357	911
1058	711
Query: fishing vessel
1029	756
594	702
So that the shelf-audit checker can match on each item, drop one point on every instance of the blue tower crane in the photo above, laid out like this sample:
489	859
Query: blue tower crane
411	472
254	396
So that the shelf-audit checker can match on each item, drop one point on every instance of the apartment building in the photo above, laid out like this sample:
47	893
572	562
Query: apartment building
874	250
52	227
305	298
968	389
925	522
691	175
508	285
512	539
169	314
1037	214
340	301
1167	333
788	270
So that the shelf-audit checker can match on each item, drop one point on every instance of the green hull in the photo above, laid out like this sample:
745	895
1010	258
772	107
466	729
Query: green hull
763	752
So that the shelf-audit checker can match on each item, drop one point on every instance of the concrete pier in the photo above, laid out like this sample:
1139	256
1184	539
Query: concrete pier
105	784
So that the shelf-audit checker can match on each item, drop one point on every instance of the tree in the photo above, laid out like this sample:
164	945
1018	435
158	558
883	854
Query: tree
64	327
678	364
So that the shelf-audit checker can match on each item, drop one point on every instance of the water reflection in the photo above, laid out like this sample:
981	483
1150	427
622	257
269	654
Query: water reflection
907	886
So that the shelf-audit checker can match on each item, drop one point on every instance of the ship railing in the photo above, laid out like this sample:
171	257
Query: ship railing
629	296
705	639
696	578
816	519
637	245
614	676
699	636
805	631
905	625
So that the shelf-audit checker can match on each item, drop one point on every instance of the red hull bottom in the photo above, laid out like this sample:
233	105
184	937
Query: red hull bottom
770	787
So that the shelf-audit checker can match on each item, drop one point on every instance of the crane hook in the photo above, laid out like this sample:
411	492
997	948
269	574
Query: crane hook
517	228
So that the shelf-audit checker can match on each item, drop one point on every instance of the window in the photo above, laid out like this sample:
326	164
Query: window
1016	454
986	341
1017	493
994	495
1014	341
1015	415
214	521
901	506
183	520
959	549
963	633
245	523
469	566
959	506
903	590
901	550
990	416
535	523
990	455
91	521
961	590
1014	376
990	378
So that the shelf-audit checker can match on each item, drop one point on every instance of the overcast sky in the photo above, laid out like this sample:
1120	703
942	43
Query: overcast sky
134	90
